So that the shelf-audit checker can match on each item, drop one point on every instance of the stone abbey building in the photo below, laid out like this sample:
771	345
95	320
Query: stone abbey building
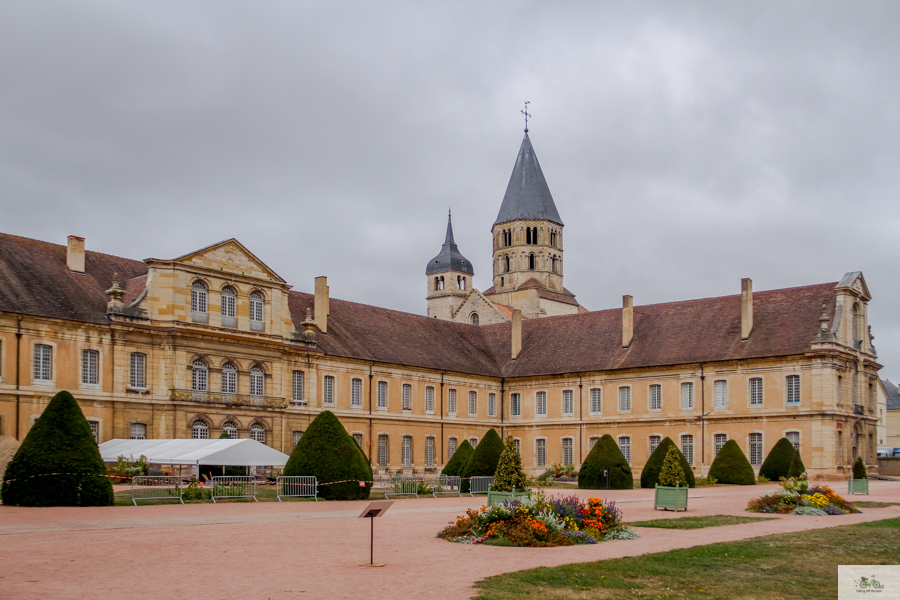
214	341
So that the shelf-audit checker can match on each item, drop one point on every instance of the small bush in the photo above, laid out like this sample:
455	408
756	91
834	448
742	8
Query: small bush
778	461
859	469
731	466
651	470
509	473
605	455
809	511
672	473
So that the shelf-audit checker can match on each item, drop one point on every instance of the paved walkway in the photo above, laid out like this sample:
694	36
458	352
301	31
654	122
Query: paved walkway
314	550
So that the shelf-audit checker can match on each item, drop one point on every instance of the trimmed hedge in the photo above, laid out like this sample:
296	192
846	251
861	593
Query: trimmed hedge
458	461
778	462
797	468
327	452
650	472
509	473
731	466
605	455
859	469
486	457
60	441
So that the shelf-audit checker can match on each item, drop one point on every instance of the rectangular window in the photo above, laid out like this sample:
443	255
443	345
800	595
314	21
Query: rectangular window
95	430
515	401
625	447
794	438
138	377
540	447
382	395
568	404
296	435
258	383
568	451
451	447
540	404
654	443
473	442
429	452
624	399
382	450
721	393
407	450
656	397
328	389
756	391
297	387
596	401
473	404
356	392
90	367
451	401
429	399
756	445
687	395
138	431
358	438
518	445
229	380
492	400
718	441
792	383
406	397
43	361
592	442
687	448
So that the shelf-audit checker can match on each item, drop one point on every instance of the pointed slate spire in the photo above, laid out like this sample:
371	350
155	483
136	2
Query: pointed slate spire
449	258
527	195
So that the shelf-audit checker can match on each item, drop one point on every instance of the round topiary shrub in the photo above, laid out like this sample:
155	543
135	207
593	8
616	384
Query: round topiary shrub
509	473
778	462
327	452
651	470
485	458
605	455
731	466
797	468
859	469
60	441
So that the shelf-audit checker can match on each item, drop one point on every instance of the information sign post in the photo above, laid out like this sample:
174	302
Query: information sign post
374	509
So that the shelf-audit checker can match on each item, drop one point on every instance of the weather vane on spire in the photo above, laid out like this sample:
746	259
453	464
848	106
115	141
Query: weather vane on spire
527	114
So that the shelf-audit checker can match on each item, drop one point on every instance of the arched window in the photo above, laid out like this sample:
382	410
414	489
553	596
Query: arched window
531	262
461	282
257	382
553	239
436	283
440	285
199	376
231	429
258	433
474	318
506	264
256	311
199	430
229	307
553	264
198	302
229	379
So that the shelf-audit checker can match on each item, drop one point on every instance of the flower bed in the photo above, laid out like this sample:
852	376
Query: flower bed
797	497
540	522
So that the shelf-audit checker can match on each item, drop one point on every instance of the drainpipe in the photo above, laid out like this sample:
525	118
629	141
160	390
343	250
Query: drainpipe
502	391
371	375
702	421
580	421
18	355
442	419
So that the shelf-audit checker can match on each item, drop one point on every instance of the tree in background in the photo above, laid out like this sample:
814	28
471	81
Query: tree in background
650	472
732	466
509	473
485	458
778	462
605	456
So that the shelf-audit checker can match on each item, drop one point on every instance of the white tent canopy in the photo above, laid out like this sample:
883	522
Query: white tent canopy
222	452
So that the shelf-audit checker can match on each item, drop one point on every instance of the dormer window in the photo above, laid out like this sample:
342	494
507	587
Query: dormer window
256	311
199	294
229	307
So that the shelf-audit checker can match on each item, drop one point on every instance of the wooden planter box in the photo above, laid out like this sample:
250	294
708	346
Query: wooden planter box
671	498
495	498
858	486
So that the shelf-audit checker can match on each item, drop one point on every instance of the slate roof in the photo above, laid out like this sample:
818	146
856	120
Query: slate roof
449	258
527	194
34	280
893	395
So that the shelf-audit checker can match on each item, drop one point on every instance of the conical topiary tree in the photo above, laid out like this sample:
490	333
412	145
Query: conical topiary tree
327	452
672	472
224	436
778	462
458	461
509	473
859	469
797	468
61	442
485	458
731	466
605	455
651	470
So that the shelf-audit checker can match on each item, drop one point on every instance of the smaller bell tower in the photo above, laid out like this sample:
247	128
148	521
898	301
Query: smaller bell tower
449	276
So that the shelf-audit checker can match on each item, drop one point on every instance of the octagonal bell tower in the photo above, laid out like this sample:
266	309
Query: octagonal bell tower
449	277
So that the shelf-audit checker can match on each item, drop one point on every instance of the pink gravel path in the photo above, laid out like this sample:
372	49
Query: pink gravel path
314	550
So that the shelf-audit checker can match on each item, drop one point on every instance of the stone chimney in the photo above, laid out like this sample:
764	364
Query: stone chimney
516	333
115	293
75	254
627	320
746	308
321	306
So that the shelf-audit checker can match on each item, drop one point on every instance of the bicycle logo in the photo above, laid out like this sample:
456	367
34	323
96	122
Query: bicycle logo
868	583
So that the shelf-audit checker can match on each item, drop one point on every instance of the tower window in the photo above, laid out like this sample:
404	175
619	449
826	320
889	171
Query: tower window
553	239
461	282
506	263
528	235
531	262
553	264
475	319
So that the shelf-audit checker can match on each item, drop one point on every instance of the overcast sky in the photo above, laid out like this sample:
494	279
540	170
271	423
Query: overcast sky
687	145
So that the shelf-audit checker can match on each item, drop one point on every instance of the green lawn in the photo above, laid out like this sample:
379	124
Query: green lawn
698	522
791	565
869	504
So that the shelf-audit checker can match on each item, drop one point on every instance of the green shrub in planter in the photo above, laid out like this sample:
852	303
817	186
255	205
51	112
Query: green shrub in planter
327	452
509	473
672	472
651	470
731	466
485	458
778	462
859	469
605	455
797	468
60	441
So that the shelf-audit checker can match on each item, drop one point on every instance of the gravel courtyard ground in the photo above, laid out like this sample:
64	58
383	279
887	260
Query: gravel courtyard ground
314	550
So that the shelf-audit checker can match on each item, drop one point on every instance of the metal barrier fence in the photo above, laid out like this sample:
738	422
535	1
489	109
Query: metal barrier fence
297	487
446	484
150	487
402	485
228	486
480	485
